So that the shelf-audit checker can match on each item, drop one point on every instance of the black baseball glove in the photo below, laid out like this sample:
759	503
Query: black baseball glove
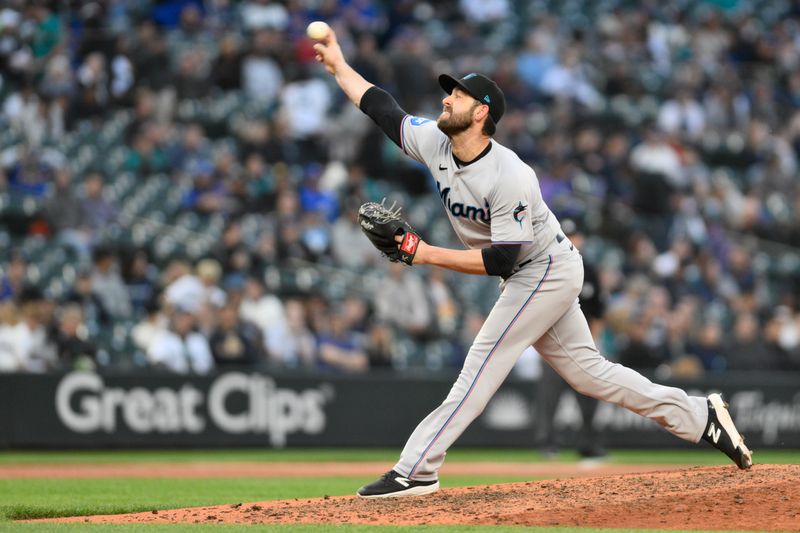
381	225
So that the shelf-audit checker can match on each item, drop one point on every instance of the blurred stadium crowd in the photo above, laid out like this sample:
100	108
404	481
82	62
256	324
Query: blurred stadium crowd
179	180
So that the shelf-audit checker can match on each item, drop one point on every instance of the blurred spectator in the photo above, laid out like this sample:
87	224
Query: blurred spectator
339	349
209	194
20	107
99	212
294	346
108	285
145	157
745	350
13	280
260	184
193	154
485	11
355	310
265	311
348	246
122	74
782	334
226	73
646	330
316	236
9	318
192	78
24	346
411	70
190	35
195	292
93	82
65	214
180	348
380	346
724	109
29	174
47	33
403	302
537	56
150	327
290	244
316	199
679	326
235	342
682	115
571	78
444	303
304	104
95	313
140	280
262	77
707	346
150	58
232	243
75	350
259	14
370	62
95	35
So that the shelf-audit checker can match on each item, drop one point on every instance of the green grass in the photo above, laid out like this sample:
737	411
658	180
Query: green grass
703	456
42	498
30	498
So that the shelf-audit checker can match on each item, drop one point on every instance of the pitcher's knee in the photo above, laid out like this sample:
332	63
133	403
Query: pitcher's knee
590	375
583	386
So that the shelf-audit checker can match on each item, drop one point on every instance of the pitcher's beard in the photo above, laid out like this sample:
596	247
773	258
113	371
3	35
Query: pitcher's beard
454	124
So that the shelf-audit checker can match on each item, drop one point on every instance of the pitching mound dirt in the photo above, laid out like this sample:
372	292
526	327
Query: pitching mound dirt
765	498
367	470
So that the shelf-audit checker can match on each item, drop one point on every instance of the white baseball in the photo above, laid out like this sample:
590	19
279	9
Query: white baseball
318	30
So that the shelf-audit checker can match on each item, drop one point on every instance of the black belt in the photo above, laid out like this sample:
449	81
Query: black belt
519	267
559	239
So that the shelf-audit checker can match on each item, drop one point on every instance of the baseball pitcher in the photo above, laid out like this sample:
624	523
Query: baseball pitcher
494	203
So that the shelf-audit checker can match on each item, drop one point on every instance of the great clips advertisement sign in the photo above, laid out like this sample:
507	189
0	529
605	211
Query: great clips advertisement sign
82	409
233	404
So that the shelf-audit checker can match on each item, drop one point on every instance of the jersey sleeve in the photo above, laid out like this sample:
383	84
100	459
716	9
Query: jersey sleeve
420	138
511	218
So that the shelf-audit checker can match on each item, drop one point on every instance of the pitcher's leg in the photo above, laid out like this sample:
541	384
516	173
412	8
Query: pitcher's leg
569	348
530	303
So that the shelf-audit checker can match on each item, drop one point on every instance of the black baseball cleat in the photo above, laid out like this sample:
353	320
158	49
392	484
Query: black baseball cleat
722	434
393	485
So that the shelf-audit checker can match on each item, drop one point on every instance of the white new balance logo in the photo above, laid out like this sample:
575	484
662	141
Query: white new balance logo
714	433
403	481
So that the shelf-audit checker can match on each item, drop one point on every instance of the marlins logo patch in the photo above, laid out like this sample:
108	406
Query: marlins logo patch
520	213
419	121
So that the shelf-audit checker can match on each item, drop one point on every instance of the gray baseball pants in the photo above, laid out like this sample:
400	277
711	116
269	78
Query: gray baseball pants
539	306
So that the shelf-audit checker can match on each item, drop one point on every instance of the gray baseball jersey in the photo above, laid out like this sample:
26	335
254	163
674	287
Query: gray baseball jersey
497	199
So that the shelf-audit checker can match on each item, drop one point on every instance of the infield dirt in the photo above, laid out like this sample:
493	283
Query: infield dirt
765	498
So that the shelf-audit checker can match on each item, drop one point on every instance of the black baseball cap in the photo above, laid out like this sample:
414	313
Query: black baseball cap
480	88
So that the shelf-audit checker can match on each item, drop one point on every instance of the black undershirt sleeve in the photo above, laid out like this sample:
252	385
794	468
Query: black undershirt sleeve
499	259
384	111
